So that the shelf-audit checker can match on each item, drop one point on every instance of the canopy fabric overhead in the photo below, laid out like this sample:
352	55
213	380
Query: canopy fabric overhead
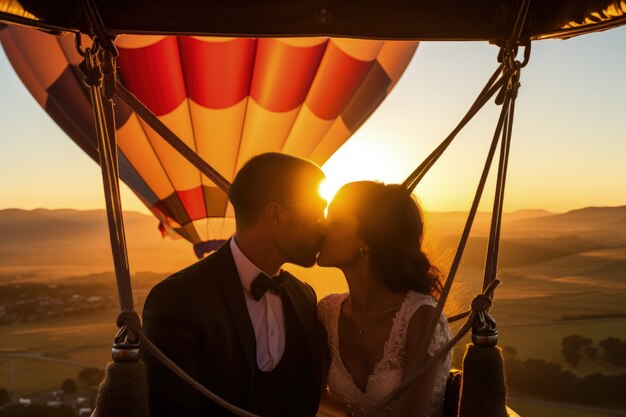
228	99
410	20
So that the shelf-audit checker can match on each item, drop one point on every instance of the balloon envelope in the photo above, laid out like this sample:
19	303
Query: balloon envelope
227	98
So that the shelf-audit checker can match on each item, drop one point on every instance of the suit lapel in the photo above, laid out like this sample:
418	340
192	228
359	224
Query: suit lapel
234	294
298	304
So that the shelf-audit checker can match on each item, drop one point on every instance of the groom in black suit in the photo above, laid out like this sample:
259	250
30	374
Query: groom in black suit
234	321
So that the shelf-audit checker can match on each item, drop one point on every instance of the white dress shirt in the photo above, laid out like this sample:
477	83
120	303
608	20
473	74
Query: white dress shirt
266	314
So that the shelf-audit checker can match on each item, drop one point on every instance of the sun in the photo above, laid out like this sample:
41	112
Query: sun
360	160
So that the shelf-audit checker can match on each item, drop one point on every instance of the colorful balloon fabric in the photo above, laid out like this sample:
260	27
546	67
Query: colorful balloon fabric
227	98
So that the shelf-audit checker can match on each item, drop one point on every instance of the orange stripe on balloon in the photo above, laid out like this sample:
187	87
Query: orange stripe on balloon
154	75
338	77
283	73
21	66
217	74
395	56
361	49
42	52
367	97
68	45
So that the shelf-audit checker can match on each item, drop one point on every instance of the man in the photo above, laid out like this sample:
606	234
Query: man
258	349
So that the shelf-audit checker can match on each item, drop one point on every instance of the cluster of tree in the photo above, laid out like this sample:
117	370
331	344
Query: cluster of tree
91	377
575	348
549	381
614	351
69	386
4	397
31	301
27	302
37	410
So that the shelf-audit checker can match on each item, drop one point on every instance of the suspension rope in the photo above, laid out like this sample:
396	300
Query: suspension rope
99	67
503	129
135	327
130	325
491	263
493	85
464	237
96	60
506	97
170	137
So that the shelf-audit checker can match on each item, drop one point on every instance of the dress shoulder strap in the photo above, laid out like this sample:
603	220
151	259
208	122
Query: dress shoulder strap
328	310
394	352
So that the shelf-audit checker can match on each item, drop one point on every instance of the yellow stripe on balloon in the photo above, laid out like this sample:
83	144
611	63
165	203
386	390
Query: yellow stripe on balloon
136	41
336	136
217	135
133	142
306	132
182	174
264	131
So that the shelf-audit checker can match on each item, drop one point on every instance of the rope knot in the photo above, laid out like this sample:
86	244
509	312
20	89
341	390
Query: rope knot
90	68
481	302
130	319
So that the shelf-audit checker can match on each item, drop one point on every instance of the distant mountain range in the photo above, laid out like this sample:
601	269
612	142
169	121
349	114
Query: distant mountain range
609	222
48	239
43	238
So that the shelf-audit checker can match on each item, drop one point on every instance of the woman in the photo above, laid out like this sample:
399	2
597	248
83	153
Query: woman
375	330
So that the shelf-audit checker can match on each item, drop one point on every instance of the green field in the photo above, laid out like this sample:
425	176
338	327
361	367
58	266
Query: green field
528	408
82	338
544	341
530	306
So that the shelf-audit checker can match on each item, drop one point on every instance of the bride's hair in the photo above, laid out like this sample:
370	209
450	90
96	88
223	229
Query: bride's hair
394	235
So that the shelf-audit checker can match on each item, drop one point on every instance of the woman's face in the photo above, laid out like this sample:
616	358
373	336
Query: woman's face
341	244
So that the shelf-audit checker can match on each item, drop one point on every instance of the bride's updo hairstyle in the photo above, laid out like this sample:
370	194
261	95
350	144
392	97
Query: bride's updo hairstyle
391	224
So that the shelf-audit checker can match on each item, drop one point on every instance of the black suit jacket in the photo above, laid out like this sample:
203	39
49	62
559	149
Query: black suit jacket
198	317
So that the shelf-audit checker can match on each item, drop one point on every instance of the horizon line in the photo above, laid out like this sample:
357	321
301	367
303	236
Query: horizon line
424	210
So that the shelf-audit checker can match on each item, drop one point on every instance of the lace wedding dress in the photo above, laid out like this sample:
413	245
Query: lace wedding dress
388	372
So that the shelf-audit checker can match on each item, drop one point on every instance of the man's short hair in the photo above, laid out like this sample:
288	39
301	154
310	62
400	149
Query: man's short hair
271	177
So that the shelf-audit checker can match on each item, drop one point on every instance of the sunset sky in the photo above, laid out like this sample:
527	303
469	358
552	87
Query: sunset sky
568	149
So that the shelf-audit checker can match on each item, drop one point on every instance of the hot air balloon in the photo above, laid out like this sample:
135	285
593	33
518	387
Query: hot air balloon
507	23
227	98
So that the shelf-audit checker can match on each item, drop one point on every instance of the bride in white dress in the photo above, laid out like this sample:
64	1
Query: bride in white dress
375	330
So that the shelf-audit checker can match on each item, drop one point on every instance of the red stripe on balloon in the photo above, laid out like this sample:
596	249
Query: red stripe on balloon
193	200
217	74
283	73
338	78
154	75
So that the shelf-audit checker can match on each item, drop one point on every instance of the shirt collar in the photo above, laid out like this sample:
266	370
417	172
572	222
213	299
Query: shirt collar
246	269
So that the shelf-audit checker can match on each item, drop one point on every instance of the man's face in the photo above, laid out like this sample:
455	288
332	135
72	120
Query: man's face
301	237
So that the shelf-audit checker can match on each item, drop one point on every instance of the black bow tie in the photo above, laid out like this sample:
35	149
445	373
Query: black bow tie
263	283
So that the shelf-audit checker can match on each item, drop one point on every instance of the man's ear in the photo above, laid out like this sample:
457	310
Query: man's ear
275	214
